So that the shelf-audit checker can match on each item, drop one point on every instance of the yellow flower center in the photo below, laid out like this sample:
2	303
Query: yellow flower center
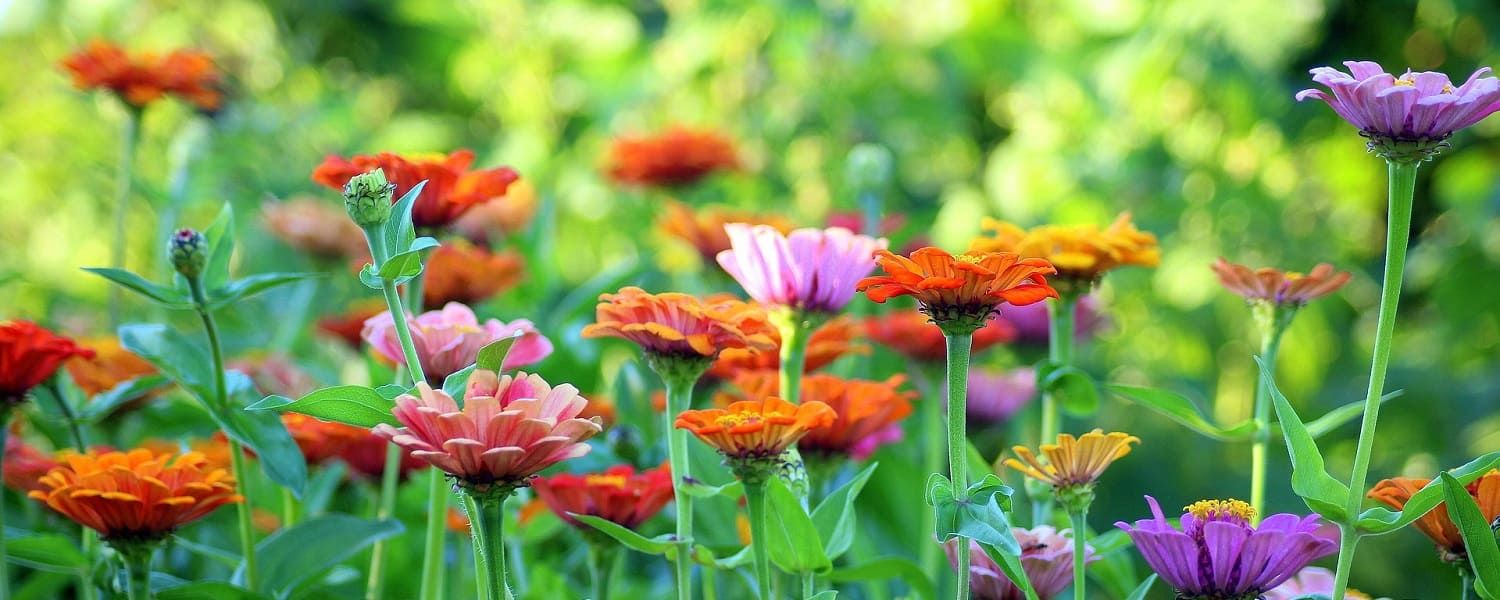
1404	81
1207	510
1447	89
737	419
605	480
972	259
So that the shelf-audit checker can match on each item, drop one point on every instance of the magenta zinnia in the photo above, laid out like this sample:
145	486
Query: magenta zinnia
448	340
1420	107
1046	556
811	270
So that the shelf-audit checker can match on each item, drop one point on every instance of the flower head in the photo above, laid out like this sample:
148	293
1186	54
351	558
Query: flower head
831	340
913	335
1282	288
755	430
313	227
1311	581
143	78
366	458
509	429
1436	524
459	271
492	221
619	494
1046	557
1033	325
960	292
188	250
1081	253
810	270
25	465
321	441
1420	109
1218	555
678	156
704	228
996	395
448	340
452	189
348	325
1073	462
110	365
137	495
865	410
679	325
29	355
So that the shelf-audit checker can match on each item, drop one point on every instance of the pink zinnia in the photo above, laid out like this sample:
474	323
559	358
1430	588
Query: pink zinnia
448	340
810	269
1046	556
1310	582
509	429
1413	107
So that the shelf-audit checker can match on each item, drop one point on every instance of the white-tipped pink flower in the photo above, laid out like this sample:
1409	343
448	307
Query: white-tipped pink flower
1412	107
811	269
448	340
509	429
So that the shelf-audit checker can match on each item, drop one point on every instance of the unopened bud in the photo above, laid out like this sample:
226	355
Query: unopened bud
869	167
189	252
367	197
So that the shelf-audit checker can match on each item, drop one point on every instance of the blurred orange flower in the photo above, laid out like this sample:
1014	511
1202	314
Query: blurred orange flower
960	292
756	429
320	229
350	324
135	495
679	325
619	494
25	465
111	365
144	78
677	156
320	440
1079	252
459	271
704	228
490	222
1073	462
913	335
451	190
1279	287
827	343
866	410
1436	524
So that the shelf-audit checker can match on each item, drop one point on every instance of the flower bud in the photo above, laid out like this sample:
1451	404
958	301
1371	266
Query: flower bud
869	167
367	197
189	252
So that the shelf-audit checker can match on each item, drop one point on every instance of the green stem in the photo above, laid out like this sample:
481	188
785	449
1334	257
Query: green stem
1466	581
958	445
432	547
393	303
476	531
794	328
1402	179
755	504
932	461
242	514
74	428
1347	540
1080	552
129	138
489	540
390	475
601	559
138	571
680	398
86	589
1060	353
288	508
1270	343
809	584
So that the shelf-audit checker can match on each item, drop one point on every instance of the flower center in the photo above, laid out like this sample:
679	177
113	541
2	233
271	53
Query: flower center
737	419
972	259
604	481
1404	81
1231	510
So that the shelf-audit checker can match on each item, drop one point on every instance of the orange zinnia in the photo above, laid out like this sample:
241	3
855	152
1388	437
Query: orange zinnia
349	325
912	334
960	292
137	495
704	228
451	190
320	440
827	343
756	429
679	325
490	222
461	272
111	365
320	229
1073	462
868	412
1436	524
678	156
1279	287
1080	253
144	78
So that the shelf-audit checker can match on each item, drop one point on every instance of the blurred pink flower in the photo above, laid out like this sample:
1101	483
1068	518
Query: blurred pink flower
448	340
867	445
1311	581
810	269
1046	556
1412	107
509	429
1031	321
996	395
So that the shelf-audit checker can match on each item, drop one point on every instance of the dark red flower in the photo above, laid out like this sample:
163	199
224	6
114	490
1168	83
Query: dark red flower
619	494
29	354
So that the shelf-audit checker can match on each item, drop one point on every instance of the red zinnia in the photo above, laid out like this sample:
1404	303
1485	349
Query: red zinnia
146	77
29	354
452	189
678	156
619	494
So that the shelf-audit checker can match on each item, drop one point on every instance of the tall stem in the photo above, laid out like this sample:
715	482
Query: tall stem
680	376
958	444
1270	343
129	138
601	567
932	461
1060	353
236	452
489	540
86	589
389	477
1466	581
755	504
432	546
1347	540
1080	552
793	328
1402	180
138	572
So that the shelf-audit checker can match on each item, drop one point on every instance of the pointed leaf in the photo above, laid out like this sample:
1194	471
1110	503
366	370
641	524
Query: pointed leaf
106	402
492	356
159	294
402	265
1332	419
883	569
371	278
981	517
834	516
697	489
1310	479
44	551
1381	520
1074	390
1178	408
791	537
1479	538
354	405
240	289
289	557
263	433
1140	592
220	236
626	536
173	354
398	231
454	384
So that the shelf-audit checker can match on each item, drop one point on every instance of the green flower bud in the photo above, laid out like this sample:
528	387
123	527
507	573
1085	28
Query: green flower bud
367	197
189	252
869	167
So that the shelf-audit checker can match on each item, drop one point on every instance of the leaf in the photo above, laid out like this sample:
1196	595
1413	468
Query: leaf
288	557
1140	592
454	384
44	551
174	355
106	402
1332	419
1010	565
264	433
159	294
240	289
492	356
1178	408
697	489
220	236
391	391
834	516
626	536
370	278
1071	386
703	556
980	517
824	595
883	569
1479	539
397	232
207	590
355	405
1381	520
791	537
402	266
1310	479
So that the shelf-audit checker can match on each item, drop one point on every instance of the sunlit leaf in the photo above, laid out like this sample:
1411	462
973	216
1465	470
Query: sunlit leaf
627	537
354	405
1178	408
1310	479
791	536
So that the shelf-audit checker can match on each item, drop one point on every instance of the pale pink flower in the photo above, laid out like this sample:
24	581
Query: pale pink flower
448	340
1310	581
1412	107
1046	556
509	429
810	269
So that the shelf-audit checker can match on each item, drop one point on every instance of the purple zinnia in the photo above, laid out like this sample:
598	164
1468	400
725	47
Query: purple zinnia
810	270
1420	107
996	395
1032	323
1218	555
1046	557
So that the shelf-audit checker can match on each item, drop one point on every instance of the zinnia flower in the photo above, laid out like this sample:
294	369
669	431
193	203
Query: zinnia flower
960	293
110	365
864	409
1282	288
275	374
679	325
996	395
491	222
461	272
348	326
137	495
320	229
678	156
619	494
29	355
143	78
321	441
1033	325
448	340
1046	557
913	335
1436	524
704	228
509	429
25	465
1422	108
1073	462
1218	555
1311	581
756	429
833	339
811	270
1081	253
366	458
451	190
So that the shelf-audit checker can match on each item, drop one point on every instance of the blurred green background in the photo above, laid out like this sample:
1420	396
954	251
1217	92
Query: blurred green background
1035	111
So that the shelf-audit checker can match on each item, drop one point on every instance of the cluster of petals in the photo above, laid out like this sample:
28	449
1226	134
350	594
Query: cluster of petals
1412	107
29	355
830	341
315	227
867	412
619	494
135	495
704	229
110	365
996	395
811	270
1080	252
451	190
1073	461
448	340
1436	524
680	325
677	156
913	335
1046	557
321	441
939	280
143	78
25	465
1285	288
756	429
459	271
1315	582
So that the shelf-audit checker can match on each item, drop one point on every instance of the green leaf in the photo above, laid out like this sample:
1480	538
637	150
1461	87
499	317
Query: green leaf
627	537
824	595
207	590
288	557
391	391
791	537
1310	479
1381	520
240	289
834	516
1071	386
106	402
980	517
159	294
703	556
44	552
262	432
398	232
1140	592
174	355
321	487
1010	565
402	266
454	384
1479	539
1178	408
697	489
354	405
1332	419
220	236
492	356
883	569
370	278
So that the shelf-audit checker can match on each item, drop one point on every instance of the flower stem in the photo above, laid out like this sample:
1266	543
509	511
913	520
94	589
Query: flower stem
1402	181
489	540
90	539
432	547
958	444
1466	581
138	572
755	504
679	398
601	559
481	566
793	327
932	460
1060	314
1270	343
129	139
1080	552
